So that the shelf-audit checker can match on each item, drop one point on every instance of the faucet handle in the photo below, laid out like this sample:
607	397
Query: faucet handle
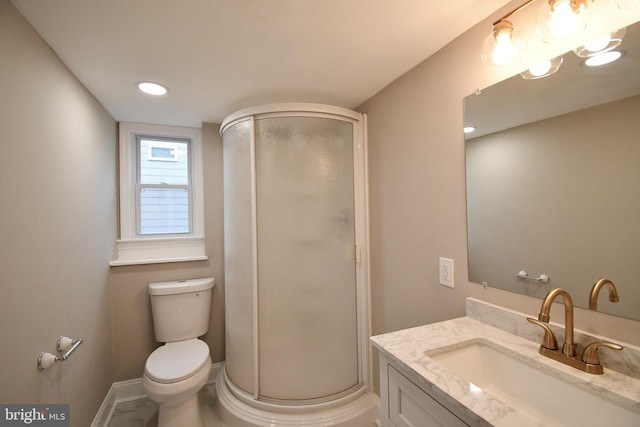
549	341
590	353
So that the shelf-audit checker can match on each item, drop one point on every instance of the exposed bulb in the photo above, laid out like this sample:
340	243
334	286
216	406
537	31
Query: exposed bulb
602	44
598	44
558	19
504	51
541	69
503	47
564	21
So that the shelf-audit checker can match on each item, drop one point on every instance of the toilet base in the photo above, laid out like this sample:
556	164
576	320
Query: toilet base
178	403
186	414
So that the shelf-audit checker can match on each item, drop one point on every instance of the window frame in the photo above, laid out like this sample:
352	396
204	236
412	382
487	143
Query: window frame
134	248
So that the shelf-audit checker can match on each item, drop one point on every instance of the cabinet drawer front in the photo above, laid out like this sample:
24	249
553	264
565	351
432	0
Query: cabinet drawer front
410	406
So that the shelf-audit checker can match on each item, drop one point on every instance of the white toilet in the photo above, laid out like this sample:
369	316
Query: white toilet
176	371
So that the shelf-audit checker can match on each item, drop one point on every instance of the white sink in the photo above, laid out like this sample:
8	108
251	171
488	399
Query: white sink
490	368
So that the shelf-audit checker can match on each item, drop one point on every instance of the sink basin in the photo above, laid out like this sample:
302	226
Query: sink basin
512	379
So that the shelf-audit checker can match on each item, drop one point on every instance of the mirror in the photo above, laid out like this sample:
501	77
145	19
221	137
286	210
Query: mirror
553	181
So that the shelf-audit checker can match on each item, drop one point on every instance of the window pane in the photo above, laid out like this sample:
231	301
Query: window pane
163	162
164	210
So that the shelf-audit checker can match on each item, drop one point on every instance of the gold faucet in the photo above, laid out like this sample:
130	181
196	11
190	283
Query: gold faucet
589	361
595	290
569	347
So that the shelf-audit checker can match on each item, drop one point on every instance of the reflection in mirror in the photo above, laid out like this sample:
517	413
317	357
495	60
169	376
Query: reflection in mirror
553	181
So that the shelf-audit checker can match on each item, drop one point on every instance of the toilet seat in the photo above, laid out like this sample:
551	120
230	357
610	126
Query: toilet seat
176	361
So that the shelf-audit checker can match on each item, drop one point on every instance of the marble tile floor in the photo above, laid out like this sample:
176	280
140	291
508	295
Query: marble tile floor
144	412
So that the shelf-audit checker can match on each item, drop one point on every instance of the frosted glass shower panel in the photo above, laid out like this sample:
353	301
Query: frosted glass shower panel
306	235
238	259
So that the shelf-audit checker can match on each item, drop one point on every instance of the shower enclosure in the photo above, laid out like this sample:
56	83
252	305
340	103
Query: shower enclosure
296	285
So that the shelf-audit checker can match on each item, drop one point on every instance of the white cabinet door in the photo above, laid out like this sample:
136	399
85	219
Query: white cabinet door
410	406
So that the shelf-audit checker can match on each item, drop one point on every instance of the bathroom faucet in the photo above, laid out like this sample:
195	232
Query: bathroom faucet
569	347
589	361
595	290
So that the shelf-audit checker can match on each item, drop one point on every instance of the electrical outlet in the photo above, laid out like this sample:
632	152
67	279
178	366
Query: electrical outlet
446	272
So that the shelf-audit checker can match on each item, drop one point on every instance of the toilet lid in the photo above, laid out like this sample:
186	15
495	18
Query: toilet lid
177	361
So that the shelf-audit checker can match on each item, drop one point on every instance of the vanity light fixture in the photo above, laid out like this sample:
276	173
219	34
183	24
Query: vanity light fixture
557	19
152	88
602	44
543	69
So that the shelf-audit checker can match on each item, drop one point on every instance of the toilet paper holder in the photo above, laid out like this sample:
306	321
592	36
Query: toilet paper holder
65	347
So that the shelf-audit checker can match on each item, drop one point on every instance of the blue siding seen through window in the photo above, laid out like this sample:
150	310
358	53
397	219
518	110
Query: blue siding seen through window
164	210
164	186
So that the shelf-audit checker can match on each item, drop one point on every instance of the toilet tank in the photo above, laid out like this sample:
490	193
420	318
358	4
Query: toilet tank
181	309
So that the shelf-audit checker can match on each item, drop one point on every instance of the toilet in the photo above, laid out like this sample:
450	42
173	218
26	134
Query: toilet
176	371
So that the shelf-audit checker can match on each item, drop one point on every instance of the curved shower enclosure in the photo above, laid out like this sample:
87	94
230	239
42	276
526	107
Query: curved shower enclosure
296	285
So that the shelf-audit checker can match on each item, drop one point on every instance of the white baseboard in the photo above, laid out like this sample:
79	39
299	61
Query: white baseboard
126	391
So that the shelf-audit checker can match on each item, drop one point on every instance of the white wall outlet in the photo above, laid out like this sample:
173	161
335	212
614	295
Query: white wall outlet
446	272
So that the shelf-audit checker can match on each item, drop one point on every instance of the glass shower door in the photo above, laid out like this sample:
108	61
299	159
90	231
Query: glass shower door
307	317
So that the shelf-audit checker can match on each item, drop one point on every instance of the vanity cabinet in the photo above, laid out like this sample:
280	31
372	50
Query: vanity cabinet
404	404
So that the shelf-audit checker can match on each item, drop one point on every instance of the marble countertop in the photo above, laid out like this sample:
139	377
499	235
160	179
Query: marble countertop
407	349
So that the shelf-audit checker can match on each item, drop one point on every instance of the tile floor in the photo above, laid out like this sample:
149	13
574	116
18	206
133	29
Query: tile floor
144	412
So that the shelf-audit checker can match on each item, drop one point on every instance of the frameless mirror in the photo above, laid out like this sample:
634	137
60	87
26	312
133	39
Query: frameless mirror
553	181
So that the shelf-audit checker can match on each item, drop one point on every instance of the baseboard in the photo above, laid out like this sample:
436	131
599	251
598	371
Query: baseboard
126	391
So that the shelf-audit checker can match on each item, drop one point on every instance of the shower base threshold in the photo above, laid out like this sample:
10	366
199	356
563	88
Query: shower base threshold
357	410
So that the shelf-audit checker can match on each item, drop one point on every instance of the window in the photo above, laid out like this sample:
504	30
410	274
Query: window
163	187
161	198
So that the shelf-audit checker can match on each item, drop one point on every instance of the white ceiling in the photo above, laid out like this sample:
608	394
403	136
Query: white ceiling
218	56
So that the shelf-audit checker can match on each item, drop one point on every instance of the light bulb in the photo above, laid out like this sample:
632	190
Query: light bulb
503	47
542	69
562	18
598	44
503	52
601	44
564	21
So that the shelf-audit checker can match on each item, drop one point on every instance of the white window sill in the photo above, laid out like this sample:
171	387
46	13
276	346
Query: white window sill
159	250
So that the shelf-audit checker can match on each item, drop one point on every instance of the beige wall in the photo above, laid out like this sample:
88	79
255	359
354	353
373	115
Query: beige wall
57	225
417	196
133	338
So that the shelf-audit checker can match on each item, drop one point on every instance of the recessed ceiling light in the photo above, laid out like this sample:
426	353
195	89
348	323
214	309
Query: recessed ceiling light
469	129
152	88
603	58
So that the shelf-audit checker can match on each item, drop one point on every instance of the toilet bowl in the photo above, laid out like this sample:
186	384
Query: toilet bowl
174	374
176	371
